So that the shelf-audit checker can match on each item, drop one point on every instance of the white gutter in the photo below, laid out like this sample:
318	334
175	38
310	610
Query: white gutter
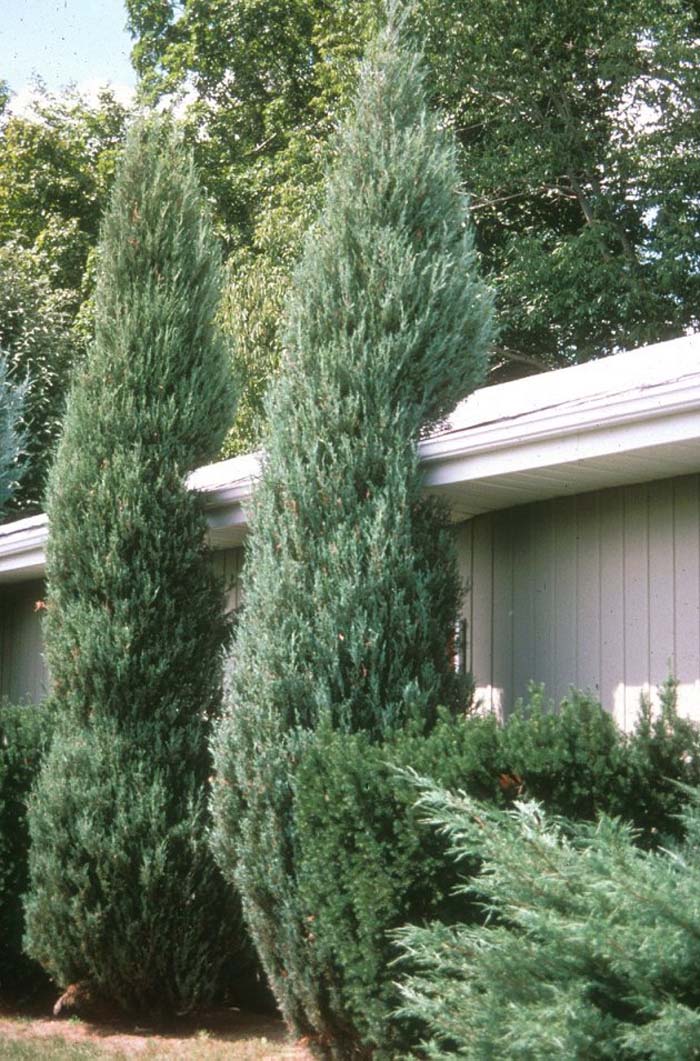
632	401
562	421
645	401
23	546
598	431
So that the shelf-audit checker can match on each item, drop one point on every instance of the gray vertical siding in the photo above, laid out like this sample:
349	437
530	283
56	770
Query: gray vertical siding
228	563
686	580
599	591
23	674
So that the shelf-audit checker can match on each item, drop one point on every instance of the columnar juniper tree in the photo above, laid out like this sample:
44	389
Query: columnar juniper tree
351	587
125	895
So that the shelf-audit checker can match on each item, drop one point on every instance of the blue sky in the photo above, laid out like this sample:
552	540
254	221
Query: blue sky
82	41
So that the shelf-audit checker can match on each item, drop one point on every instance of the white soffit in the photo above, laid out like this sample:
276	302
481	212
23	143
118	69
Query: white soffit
629	418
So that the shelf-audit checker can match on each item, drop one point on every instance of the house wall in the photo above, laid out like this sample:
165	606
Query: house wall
598	591
23	674
228	563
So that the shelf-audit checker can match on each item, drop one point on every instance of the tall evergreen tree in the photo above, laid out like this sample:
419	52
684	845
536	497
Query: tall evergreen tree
351	586
124	893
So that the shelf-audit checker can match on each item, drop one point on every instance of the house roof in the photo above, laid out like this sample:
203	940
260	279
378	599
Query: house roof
629	418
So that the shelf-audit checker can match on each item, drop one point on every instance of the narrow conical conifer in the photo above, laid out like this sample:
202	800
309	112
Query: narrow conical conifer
125	896
351	587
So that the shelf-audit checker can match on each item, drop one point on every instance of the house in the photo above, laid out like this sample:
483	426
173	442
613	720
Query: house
575	496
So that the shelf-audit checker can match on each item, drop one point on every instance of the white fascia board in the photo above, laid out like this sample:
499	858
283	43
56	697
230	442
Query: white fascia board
633	401
23	547
542	445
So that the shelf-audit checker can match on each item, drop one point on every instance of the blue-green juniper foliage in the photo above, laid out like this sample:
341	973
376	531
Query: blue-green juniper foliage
350	586
591	949
124	892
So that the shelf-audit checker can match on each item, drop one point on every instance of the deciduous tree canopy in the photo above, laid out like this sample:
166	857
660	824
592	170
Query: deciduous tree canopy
57	164
579	129
10	439
56	169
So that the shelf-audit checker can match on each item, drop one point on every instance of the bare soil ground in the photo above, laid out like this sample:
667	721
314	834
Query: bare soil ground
29	1033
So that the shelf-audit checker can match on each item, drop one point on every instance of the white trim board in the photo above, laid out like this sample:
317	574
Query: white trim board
632	417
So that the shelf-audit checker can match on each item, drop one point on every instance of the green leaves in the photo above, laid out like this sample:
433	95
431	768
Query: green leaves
10	437
560	111
56	169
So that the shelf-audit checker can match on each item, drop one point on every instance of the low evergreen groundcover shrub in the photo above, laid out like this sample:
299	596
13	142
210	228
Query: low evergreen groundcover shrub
367	863
591	948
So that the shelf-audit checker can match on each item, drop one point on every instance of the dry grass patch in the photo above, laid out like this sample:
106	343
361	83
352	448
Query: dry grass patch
224	1034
